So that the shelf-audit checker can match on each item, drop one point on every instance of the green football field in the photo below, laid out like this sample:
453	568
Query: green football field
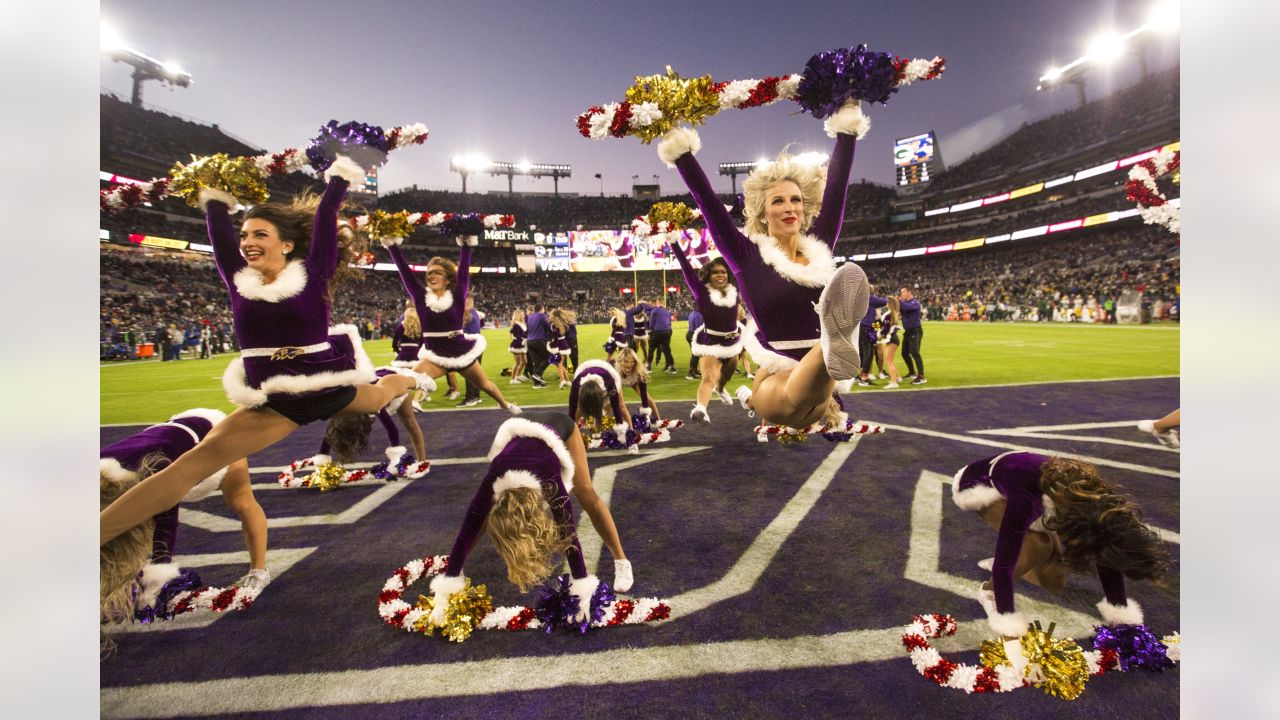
955	355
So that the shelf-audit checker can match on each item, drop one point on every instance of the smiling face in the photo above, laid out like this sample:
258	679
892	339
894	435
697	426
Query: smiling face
262	248
719	277
437	279
783	209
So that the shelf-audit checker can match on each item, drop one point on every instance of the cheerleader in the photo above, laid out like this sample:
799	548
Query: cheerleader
406	341
293	368
719	341
639	320
890	332
125	463
596	383
635	375
535	463
617	333
783	271
346	437
519	353
1053	515
440	304
696	247
558	346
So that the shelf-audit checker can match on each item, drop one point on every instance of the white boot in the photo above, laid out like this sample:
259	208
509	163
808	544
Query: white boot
841	307
622	578
700	413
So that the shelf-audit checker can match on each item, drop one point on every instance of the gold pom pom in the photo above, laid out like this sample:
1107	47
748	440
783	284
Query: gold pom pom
677	215
238	176
1057	667
690	99
606	422
793	437
383	224
326	477
467	608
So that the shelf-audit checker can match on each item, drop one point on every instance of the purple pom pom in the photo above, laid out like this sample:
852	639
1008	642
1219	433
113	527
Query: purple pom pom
463	226
365	144
186	580
1135	645
831	78
382	471
555	606
609	439
640	422
633	437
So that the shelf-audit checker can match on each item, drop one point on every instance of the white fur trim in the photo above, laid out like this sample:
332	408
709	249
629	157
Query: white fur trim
347	169
394	453
208	194
593	379
472	240
393	407
111	469
390	241
442	586
512	479
239	392
676	142
724	352
646	411
583	589
600	365
404	364
816	274
726	299
774	362
456	363
154	576
291	281
213	416
848	120
321	459
519	427
205	487
1012	624
1127	614
975	498
438	303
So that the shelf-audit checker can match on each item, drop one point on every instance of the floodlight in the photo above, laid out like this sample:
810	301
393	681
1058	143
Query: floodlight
524	166
812	159
1105	48
108	40
172	68
1164	16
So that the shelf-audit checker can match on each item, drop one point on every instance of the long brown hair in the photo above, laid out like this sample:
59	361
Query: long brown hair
294	221
895	309
348	436
123	557
1098	525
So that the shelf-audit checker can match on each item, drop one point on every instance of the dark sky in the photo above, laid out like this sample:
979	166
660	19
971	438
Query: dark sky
508	79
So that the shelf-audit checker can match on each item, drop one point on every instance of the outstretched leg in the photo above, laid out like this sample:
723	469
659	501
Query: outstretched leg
475	374
237	492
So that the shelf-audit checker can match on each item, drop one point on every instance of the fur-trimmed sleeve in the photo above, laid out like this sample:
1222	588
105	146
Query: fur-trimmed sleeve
322	258
225	242
389	424
1022	508
562	511
462	282
827	225
412	285
729	240
690	275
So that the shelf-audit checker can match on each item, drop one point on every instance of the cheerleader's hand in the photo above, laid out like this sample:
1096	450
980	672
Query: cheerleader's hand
347	169
582	589
442	587
1013	651
848	120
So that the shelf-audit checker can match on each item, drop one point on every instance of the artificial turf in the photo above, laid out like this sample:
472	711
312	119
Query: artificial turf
955	355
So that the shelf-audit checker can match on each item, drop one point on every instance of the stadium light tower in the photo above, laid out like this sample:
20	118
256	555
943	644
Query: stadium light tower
734	169
1106	48
470	164
145	67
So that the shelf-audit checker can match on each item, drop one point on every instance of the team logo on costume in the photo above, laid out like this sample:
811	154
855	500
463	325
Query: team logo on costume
287	353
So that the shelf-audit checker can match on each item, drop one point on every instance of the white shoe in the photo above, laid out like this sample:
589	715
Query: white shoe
725	397
987	563
751	376
418	406
513	408
513	381
700	413
453	395
891	386
564	384
841	307
743	393
1168	438
254	582
882	376
622	578
987	599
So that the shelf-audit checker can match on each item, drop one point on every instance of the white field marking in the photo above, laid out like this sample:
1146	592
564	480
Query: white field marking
1027	448
1095	439
1167	535
1048	428
747	570
1017	343
400	683
602	481
278	562
924	550
214	523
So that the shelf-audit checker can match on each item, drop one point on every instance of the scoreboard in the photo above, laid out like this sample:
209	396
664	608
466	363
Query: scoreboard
916	159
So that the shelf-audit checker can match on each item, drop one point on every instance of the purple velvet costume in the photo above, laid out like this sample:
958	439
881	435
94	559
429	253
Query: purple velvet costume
695	246
444	342
557	346
518	334
603	373
406	347
617	336
721	335
639	322
1015	477
625	253
526	451
287	346
120	461
779	294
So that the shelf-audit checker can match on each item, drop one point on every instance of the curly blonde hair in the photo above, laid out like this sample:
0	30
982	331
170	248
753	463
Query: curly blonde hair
123	557
526	536
561	319
809	178
411	323
638	371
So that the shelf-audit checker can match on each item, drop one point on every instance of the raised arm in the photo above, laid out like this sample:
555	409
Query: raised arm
224	239
412	285
827	225
322	258
690	275
462	283
729	239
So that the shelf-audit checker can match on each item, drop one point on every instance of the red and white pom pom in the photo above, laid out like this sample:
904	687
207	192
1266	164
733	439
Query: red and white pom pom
1141	189
133	194
742	94
288	477
406	135
930	663
395	611
617	119
666	424
212	599
764	431
284	162
911	70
